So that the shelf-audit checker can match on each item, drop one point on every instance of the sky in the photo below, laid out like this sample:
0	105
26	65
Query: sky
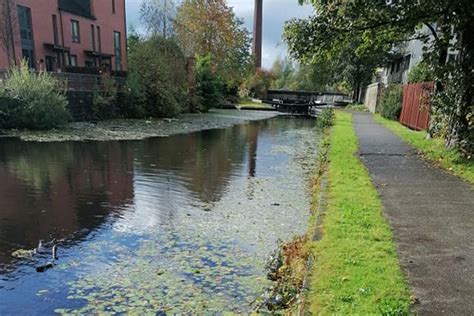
275	13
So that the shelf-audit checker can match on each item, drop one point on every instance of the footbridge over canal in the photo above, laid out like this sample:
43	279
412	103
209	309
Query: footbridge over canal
304	102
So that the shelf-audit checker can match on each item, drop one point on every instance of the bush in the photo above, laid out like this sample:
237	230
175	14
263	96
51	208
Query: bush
158	66
391	103
32	100
325	119
209	87
131	99
259	83
420	73
104	102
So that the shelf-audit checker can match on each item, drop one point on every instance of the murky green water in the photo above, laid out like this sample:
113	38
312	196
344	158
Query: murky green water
179	224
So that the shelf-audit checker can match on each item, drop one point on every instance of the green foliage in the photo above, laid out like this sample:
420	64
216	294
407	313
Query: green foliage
209	87
452	116
420	73
390	105
283	73
358	107
314	76
32	100
259	83
211	28
356	269
131	99
325	119
340	56
368	30
157	66
104	101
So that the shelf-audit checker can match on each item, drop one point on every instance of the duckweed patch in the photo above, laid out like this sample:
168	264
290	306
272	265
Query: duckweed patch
205	257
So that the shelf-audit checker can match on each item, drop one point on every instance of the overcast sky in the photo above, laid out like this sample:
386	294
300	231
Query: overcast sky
275	13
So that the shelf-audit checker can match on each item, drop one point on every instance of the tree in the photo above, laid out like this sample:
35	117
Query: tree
283	72
7	38
377	26
158	16
211	28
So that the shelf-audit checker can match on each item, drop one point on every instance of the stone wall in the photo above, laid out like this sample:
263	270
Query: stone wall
372	96
80	105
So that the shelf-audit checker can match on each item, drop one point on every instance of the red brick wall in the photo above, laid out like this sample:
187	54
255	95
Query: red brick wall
41	15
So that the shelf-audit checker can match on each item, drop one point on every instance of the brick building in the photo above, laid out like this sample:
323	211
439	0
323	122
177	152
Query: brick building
56	34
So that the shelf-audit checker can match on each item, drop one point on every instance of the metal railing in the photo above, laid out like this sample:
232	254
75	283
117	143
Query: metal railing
77	81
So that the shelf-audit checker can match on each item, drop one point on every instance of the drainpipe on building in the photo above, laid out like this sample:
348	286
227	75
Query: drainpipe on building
63	63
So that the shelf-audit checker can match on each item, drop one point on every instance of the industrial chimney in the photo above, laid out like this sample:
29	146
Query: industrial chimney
257	33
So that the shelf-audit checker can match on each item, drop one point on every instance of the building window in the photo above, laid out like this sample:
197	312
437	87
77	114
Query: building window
90	63
26	35
50	61
93	37
73	60
99	41
118	51
76	35
113	6
55	29
406	62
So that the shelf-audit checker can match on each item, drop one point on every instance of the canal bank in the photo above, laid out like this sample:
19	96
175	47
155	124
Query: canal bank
355	268
137	129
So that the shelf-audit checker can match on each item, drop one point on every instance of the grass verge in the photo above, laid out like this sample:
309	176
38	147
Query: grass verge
433	150
248	103
356	269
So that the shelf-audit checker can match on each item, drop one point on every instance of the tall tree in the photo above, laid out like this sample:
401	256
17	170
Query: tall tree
376	26
158	16
210	27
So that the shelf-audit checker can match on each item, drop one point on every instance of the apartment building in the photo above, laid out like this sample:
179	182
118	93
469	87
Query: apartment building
55	35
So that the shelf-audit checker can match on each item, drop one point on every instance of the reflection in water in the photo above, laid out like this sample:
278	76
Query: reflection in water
59	190
162	202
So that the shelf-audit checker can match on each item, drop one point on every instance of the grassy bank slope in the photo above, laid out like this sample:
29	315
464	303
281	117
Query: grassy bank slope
433	149
356	270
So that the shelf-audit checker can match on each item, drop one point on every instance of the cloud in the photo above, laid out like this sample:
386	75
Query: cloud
275	13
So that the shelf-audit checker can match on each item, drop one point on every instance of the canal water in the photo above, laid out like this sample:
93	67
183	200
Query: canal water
181	224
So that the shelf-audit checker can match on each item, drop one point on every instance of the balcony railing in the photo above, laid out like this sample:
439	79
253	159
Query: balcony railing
78	82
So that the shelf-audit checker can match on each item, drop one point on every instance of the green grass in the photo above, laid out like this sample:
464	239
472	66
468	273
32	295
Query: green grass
356	269
357	107
248	103
433	150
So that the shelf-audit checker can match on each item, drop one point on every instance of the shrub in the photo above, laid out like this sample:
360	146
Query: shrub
420	73
104	101
32	100
259	83
209	87
131	99
158	65
325	119
391	104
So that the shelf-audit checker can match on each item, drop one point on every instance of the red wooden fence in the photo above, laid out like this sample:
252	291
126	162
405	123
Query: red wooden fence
416	105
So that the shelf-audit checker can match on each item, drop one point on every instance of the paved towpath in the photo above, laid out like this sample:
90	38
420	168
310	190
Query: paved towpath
432	216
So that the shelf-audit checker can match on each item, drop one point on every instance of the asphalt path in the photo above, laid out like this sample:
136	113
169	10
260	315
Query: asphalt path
431	213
